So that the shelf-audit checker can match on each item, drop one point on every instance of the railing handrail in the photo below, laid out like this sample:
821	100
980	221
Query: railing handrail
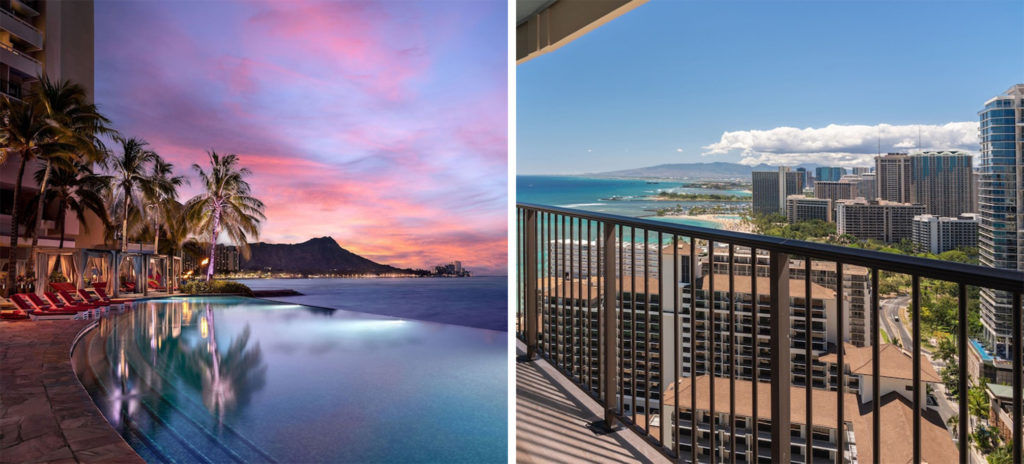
16	18
18	53
968	274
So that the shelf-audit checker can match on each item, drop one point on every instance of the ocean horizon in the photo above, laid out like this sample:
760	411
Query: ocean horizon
595	193
479	302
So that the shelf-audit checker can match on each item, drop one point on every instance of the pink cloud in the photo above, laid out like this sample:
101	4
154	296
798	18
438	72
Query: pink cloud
342	111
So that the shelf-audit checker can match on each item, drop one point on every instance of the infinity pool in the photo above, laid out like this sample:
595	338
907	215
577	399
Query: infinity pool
227	379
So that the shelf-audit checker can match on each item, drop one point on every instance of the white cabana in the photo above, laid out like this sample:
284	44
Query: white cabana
131	273
98	269
56	265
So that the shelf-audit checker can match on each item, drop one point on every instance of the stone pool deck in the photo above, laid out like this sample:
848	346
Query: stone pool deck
45	413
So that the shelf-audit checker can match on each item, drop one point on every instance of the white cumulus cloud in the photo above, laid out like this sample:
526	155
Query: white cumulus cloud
843	145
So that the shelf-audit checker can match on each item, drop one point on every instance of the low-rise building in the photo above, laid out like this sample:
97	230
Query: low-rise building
881	220
801	208
934	234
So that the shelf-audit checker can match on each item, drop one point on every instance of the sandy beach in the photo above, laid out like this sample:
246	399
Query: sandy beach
730	224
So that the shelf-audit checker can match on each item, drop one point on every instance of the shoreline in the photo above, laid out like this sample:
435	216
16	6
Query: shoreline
732	225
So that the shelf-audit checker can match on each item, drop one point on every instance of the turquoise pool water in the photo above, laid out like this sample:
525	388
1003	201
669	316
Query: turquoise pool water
985	356
229	379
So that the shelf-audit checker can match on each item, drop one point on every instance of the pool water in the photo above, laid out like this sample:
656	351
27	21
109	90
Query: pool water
226	379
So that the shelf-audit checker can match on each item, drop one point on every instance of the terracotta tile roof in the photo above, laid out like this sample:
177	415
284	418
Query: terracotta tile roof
897	416
741	284
824	402
896	363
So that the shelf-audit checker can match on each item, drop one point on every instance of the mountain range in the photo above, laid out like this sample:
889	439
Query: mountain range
316	255
697	171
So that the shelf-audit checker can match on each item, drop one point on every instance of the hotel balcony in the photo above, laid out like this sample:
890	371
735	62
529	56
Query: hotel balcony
19	60
634	359
20	28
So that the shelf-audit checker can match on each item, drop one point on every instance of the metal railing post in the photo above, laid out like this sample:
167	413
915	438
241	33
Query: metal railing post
609	326
531	284
780	343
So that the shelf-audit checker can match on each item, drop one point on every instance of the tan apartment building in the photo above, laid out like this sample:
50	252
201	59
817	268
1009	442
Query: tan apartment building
835	190
892	177
881	220
801	208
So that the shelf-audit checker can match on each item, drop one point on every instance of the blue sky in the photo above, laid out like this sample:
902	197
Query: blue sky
777	82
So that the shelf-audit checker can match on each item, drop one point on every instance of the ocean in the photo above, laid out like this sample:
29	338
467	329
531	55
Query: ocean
480	302
594	195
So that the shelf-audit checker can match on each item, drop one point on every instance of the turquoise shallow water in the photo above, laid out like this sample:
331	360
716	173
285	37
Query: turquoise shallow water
596	195
237	379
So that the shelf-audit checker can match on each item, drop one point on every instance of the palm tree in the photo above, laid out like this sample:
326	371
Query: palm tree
954	423
79	124
226	205
75	188
161	195
130	180
26	134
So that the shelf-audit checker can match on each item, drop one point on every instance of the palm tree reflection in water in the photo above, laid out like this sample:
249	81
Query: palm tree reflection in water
227	381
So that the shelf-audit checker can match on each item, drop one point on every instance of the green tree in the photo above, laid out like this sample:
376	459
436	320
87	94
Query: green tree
1002	454
977	400
27	135
225	205
79	126
77	189
131	181
161	195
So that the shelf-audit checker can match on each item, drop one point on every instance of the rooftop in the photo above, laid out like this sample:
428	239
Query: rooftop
896	363
823	401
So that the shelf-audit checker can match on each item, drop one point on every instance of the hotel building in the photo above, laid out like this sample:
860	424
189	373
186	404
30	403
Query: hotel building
54	38
800	208
942	181
892	176
1000	196
828	174
934	234
771	188
881	220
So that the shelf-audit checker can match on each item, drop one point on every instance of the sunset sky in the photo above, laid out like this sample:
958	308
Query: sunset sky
382	125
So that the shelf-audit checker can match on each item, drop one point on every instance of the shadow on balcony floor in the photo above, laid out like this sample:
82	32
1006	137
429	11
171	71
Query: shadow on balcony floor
552	416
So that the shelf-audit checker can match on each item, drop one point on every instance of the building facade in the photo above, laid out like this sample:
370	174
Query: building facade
934	234
864	185
892	177
828	174
226	258
55	38
1000	194
771	188
881	220
942	181
801	208
835	190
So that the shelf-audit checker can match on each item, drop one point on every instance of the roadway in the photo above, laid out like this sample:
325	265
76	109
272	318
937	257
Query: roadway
890	311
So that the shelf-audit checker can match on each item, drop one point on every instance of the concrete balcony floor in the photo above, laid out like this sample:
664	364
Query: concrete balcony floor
552	418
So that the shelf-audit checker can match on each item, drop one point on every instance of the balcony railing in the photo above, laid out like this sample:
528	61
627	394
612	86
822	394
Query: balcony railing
618	259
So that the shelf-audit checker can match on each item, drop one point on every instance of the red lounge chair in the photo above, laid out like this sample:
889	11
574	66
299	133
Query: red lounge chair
38	302
66	286
89	297
13	315
103	296
57	302
75	301
23	303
